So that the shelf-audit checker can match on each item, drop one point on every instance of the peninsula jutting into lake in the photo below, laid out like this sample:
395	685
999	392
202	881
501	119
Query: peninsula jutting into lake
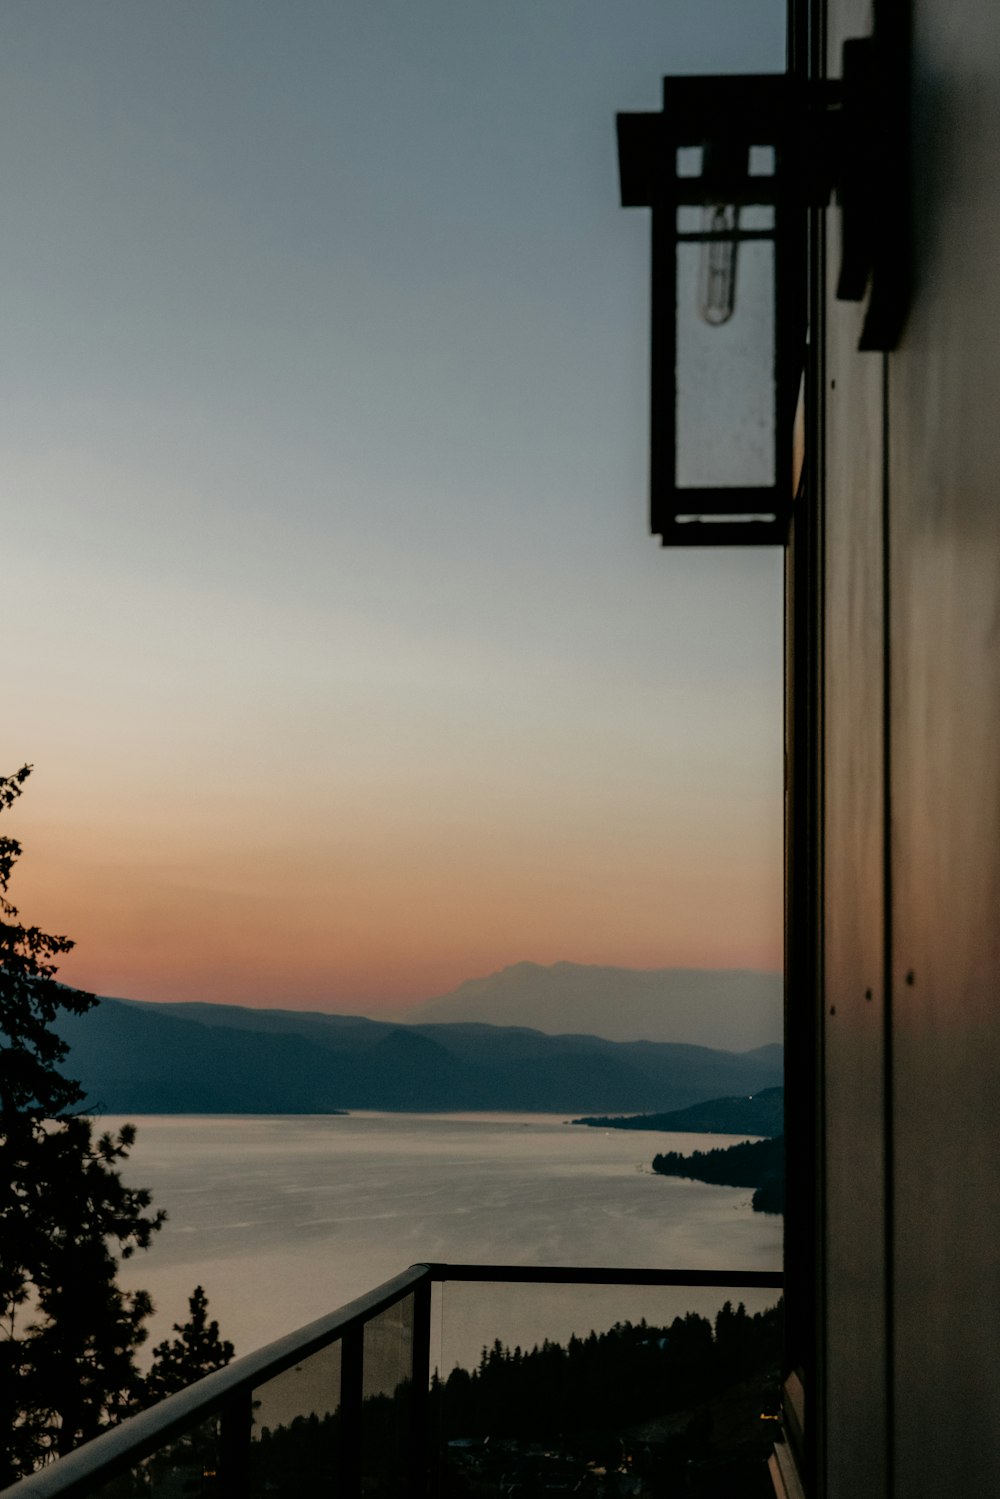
755	1163
760	1113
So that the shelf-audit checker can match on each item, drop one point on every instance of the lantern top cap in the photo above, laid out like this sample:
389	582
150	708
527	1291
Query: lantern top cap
728	112
745	104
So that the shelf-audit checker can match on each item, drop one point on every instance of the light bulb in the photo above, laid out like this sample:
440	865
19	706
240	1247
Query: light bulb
717	278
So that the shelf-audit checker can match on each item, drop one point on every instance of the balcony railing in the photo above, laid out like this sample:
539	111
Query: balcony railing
346	1404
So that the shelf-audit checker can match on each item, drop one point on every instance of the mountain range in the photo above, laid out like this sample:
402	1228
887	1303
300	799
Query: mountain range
138	1057
734	1008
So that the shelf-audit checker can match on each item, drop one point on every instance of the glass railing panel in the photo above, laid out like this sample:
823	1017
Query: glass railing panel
606	1390
387	1438
295	1436
187	1467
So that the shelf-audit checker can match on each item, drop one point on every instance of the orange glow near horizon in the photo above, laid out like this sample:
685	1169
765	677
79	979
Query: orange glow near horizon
391	910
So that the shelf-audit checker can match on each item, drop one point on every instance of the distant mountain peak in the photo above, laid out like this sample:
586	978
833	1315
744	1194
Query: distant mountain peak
732	1009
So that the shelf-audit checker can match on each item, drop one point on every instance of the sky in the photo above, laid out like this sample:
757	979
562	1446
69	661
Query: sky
334	630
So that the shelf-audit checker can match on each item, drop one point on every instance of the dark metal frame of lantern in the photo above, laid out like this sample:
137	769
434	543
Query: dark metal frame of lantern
819	137
719	169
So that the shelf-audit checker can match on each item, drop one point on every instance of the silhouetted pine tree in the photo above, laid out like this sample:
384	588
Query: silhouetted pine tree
197	1351
68	1332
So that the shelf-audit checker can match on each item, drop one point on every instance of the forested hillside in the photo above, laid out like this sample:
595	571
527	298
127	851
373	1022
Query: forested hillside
163	1058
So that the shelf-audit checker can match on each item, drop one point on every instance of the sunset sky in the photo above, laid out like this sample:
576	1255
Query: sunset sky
334	631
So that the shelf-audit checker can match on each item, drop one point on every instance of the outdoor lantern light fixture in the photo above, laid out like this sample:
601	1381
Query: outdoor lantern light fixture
730	169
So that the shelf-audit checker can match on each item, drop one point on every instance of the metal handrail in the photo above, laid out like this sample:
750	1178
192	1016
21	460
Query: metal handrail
227	1391
604	1275
120	1448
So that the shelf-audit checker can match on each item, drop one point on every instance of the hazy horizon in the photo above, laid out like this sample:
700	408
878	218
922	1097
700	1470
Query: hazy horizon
339	1006
735	1010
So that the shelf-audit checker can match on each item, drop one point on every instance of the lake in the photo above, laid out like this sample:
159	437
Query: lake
284	1218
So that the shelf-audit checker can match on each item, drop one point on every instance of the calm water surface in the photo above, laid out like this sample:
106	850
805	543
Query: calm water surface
284	1218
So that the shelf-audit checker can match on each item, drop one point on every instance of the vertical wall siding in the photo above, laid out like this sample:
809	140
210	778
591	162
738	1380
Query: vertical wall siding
945	627
855	887
854	914
940	1279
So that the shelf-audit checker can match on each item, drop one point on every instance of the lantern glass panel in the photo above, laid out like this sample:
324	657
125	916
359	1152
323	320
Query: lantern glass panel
689	160
761	162
756	216
725	379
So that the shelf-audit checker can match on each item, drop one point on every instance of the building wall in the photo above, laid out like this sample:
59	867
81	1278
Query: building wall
854	905
912	1075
